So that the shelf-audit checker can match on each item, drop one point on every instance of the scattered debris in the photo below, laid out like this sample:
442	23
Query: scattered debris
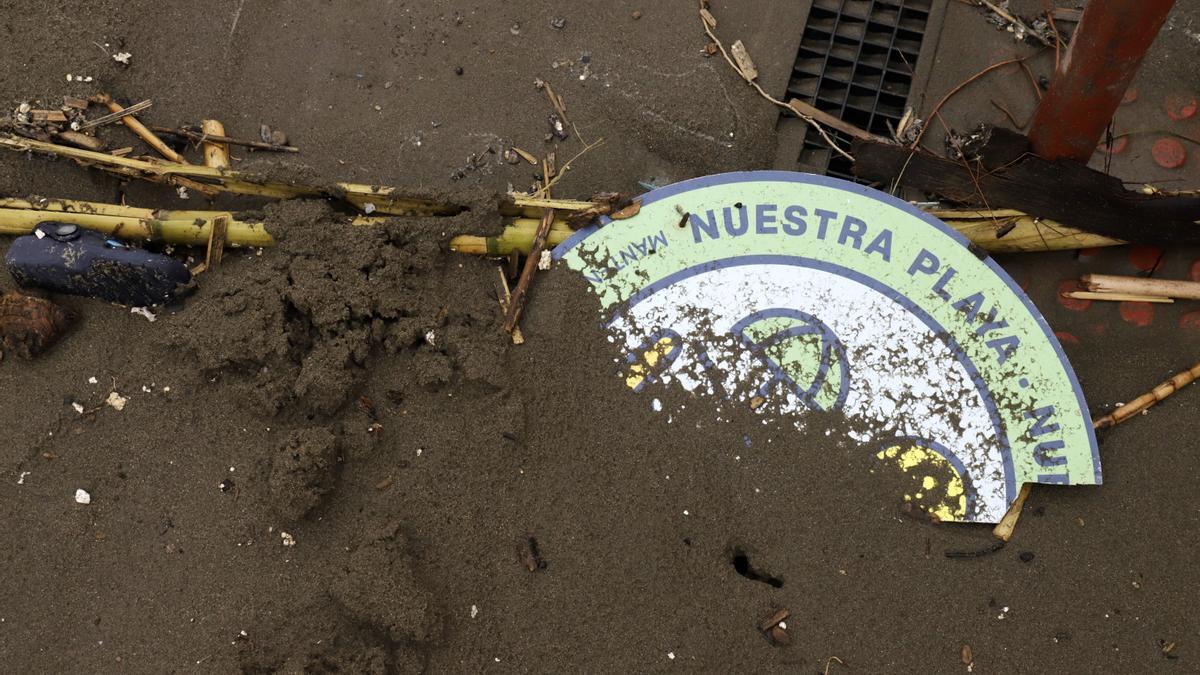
116	401
287	539
558	23
745	64
82	496
774	628
556	127
144	311
122	58
225	485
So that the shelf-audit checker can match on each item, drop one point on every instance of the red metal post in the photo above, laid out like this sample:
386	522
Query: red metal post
1105	53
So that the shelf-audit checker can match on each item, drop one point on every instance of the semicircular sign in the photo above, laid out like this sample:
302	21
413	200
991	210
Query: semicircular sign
812	293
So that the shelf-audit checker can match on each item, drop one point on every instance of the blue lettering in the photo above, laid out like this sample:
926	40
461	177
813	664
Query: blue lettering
764	215
793	220
659	240
709	226
1042	416
1043	457
940	287
925	263
852	228
882	244
825	217
971	305
1004	346
743	225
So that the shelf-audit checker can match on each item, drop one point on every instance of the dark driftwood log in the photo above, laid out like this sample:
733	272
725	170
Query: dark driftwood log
1006	175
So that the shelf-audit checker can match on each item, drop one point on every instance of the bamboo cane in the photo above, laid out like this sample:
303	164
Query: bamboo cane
386	200
512	239
216	154
1024	232
1150	398
1116	297
166	226
1162	288
140	129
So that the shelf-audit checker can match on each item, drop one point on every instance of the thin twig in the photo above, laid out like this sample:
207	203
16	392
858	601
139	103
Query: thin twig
545	189
807	118
517	301
198	137
113	117
1000	64
1015	20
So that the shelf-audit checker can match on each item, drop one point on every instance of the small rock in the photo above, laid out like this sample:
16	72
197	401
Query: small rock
264	133
515	29
1026	556
77	407
967	656
226	485
637	14
278	137
122	58
82	497
288	540
368	208
558	23
510	156
458	70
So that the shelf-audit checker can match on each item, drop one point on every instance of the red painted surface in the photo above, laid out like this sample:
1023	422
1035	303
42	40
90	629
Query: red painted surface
1066	338
1168	153
1105	52
1073	304
1138	313
1190	321
1180	107
1145	257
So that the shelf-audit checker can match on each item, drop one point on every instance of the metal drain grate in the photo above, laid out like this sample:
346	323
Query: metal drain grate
856	61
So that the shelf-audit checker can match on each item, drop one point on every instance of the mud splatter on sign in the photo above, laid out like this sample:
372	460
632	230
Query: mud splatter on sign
811	293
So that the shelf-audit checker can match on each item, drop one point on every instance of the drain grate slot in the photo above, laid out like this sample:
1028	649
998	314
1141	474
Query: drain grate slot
856	61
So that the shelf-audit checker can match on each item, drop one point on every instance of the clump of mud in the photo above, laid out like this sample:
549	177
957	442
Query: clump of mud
302	471
295	330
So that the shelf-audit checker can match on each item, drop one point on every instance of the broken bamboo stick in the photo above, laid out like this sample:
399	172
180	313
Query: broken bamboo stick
385	200
140	129
1149	399
1012	231
1162	288
511	239
165	226
114	116
1116	297
216	153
